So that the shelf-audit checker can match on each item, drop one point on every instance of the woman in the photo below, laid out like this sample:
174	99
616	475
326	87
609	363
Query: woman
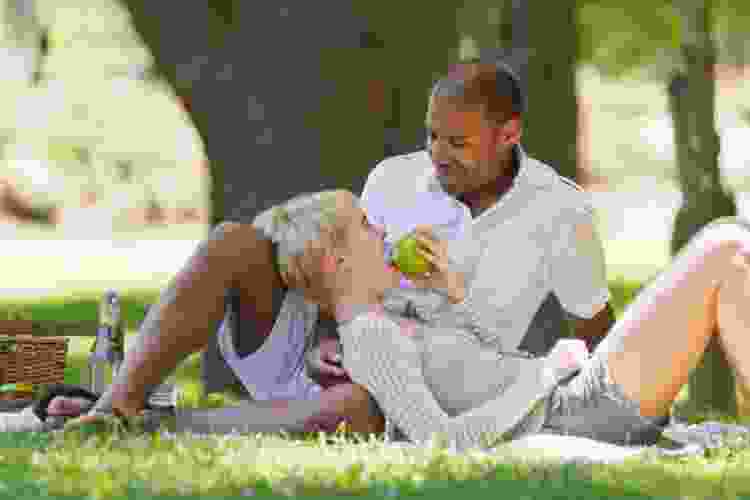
630	380
622	393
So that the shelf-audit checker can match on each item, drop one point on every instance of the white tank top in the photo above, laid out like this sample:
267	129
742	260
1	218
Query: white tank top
277	369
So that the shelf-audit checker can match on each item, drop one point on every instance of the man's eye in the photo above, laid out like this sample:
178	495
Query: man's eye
458	144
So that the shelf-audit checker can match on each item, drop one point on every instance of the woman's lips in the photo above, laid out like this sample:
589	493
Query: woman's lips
443	170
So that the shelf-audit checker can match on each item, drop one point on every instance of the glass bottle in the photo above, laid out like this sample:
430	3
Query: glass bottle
108	350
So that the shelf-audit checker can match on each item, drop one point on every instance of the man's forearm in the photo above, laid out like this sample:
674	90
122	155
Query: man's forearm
593	330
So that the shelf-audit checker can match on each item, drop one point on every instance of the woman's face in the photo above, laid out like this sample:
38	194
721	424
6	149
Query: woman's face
365	244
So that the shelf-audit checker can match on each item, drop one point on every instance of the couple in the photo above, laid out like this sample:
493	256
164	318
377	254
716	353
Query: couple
443	373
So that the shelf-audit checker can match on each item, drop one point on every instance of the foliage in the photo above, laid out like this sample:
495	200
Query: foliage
619	38
89	116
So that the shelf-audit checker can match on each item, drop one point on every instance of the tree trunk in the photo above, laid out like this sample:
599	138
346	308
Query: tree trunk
279	95
692	97
28	37
291	99
546	66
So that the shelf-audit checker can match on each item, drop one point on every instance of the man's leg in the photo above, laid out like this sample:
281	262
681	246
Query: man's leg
663	334
187	314
144	361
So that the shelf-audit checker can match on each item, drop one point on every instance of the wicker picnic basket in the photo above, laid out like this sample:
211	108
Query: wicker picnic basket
29	361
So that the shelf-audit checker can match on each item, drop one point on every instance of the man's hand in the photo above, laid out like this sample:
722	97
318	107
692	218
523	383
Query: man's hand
592	331
441	276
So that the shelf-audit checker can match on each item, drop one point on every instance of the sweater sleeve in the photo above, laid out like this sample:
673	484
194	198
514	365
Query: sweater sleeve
474	315
388	364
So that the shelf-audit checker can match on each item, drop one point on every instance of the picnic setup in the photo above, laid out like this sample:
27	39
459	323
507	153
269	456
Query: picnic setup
374	249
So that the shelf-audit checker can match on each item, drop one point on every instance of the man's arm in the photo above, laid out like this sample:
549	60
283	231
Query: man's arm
579	278
592	330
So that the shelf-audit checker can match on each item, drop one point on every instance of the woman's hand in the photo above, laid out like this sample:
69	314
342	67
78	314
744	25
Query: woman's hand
566	357
441	276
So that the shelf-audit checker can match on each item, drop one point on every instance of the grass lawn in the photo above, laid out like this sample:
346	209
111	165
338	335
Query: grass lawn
316	466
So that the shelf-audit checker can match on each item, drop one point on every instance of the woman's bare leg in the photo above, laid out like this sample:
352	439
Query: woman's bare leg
662	335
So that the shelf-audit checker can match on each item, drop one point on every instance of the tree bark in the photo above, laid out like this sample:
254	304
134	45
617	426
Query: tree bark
295	98
692	97
546	66
278	95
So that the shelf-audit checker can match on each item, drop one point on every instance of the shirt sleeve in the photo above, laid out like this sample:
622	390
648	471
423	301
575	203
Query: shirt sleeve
371	198
388	364
576	266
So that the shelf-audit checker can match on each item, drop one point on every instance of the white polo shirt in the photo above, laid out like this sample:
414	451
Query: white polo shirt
539	238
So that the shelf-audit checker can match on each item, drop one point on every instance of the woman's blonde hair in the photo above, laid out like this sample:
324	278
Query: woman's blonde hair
299	220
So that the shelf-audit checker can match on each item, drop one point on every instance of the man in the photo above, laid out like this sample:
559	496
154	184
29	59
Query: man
535	228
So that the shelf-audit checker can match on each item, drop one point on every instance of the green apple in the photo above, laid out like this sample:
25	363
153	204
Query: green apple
406	258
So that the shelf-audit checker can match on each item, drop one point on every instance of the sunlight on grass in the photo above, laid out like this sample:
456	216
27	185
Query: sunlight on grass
106	465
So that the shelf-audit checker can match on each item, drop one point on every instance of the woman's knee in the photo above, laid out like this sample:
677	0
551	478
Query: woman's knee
723	235
726	229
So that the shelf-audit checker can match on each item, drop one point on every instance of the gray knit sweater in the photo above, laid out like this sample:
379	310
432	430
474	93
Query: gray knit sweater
444	380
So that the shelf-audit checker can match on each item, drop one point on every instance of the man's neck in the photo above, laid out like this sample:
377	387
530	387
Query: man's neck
483	198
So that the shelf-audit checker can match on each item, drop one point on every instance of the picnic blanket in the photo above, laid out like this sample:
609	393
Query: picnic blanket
679	438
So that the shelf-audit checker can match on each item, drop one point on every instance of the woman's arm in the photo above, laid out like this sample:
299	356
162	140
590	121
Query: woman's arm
388	364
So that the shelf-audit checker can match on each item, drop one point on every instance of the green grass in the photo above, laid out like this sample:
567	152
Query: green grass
320	466
104	466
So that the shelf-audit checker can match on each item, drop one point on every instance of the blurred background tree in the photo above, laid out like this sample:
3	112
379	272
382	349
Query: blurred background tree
294	105
678	43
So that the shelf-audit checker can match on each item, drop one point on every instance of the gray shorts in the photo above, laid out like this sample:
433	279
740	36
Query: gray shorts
592	405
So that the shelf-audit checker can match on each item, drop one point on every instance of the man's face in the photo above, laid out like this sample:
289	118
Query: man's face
466	149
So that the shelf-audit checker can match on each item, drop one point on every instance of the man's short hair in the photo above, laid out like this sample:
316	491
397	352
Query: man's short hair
486	82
